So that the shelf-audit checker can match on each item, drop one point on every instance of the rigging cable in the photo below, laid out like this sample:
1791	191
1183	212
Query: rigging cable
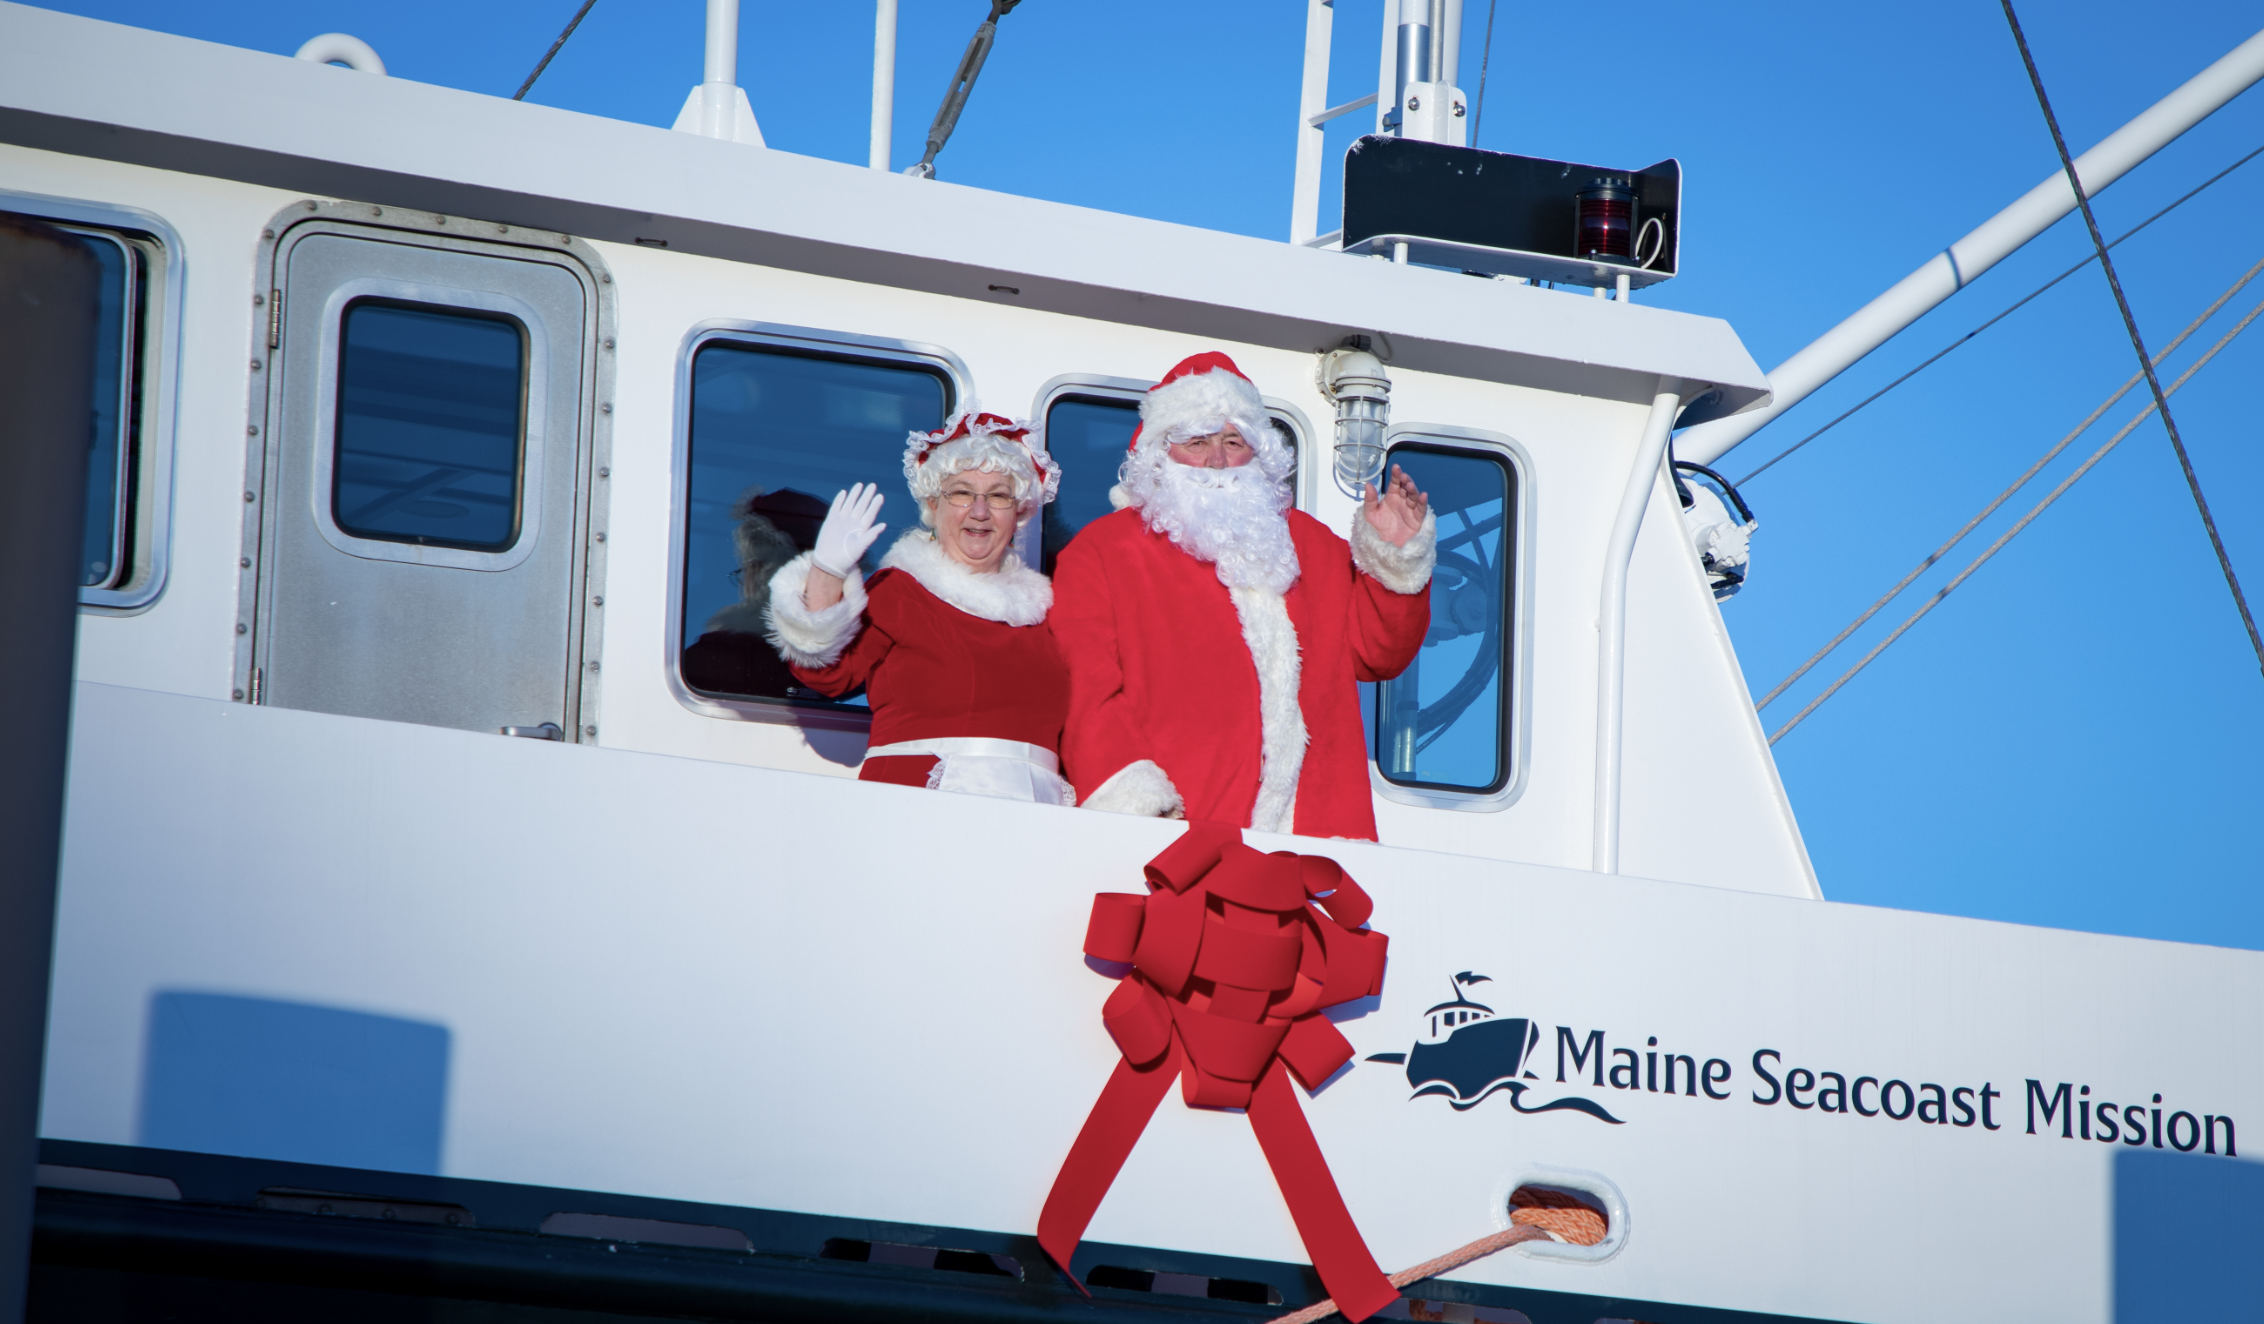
962	85
2138	344
1478	112
2010	533
2007	494
552	53
2016	307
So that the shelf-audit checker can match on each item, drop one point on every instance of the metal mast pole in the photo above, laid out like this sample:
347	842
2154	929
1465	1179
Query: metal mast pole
884	83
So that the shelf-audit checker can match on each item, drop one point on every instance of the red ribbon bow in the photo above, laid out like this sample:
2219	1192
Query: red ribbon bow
1234	954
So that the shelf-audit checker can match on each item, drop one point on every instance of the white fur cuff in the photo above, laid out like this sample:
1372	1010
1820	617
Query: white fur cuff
812	638
1137	788
1400	569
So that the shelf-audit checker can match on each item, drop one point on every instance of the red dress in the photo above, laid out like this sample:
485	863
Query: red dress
1162	668
932	670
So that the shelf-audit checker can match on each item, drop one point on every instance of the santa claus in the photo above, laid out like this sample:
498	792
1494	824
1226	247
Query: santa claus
1215	636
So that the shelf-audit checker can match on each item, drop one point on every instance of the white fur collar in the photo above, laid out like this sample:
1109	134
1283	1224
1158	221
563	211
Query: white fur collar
1015	595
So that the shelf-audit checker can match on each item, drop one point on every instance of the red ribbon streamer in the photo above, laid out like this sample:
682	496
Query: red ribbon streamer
1234	954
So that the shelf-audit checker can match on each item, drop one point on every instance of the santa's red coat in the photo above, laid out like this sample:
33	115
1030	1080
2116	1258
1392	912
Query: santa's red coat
1159	670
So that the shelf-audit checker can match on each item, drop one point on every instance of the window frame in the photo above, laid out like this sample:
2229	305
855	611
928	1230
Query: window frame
146	521
1304	487
534	420
809	341
1517	644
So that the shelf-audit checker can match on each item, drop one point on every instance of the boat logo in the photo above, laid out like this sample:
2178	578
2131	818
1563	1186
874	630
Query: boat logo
1468	1054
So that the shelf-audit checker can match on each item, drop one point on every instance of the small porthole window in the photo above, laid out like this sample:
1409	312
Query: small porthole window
431	425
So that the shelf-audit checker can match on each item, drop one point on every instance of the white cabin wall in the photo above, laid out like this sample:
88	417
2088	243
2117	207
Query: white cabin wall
184	642
1700	799
1578	447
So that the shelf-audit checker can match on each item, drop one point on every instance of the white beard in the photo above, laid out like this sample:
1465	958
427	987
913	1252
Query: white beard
1234	518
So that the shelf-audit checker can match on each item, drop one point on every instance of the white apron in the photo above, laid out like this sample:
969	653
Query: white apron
980	765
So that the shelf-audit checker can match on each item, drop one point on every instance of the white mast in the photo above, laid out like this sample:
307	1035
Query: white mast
718	107
884	83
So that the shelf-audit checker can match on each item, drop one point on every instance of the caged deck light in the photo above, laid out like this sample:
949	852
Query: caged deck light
1353	380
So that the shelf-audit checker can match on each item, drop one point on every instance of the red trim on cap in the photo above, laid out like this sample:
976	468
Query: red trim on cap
997	425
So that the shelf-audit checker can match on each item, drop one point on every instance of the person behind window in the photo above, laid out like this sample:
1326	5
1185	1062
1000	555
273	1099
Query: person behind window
949	641
731	656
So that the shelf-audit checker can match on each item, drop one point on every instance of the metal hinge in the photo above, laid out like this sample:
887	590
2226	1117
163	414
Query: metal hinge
274	318
257	677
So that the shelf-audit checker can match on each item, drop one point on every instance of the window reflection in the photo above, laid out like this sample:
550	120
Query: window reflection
774	434
431	414
110	448
1444	722
1088	435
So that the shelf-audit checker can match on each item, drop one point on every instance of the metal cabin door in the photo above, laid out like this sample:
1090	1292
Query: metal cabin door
421	547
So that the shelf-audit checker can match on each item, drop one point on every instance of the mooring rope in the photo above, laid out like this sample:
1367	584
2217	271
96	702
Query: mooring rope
1447	1263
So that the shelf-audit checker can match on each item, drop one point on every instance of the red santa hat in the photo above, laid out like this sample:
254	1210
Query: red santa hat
1199	396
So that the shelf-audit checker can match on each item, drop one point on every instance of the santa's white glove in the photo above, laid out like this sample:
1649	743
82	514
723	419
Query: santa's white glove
848	530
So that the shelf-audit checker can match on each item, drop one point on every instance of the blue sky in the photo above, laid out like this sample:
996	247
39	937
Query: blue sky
2066	741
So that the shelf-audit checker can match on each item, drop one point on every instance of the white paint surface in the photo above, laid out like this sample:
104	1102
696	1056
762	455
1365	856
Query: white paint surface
663	977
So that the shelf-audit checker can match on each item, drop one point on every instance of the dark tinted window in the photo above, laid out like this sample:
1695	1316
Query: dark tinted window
431	412
1444	722
774	435
1089	435
110	443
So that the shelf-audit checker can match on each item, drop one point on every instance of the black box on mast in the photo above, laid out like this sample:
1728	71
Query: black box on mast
1512	215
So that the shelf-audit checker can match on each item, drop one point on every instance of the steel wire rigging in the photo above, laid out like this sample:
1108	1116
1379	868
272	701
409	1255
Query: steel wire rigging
552	53
2137	342
2013	532
2016	306
2006	495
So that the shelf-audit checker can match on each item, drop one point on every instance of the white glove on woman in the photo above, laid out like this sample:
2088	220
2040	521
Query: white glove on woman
848	530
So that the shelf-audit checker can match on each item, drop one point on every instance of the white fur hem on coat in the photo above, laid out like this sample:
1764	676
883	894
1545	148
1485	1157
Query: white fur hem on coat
1014	595
1272	640
1137	788
812	638
1400	569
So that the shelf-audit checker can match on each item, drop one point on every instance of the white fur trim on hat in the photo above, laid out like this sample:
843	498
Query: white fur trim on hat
812	638
1401	569
1138	788
1198	405
1014	595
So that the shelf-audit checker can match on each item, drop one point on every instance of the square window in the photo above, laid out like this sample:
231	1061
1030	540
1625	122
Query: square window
1443	724
431	425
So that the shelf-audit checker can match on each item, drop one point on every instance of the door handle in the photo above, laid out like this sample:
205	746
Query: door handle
547	731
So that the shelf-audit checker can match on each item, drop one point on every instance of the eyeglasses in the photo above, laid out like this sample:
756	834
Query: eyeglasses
1229	441
959	498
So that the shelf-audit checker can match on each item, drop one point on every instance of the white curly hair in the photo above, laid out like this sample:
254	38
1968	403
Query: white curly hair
989	442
